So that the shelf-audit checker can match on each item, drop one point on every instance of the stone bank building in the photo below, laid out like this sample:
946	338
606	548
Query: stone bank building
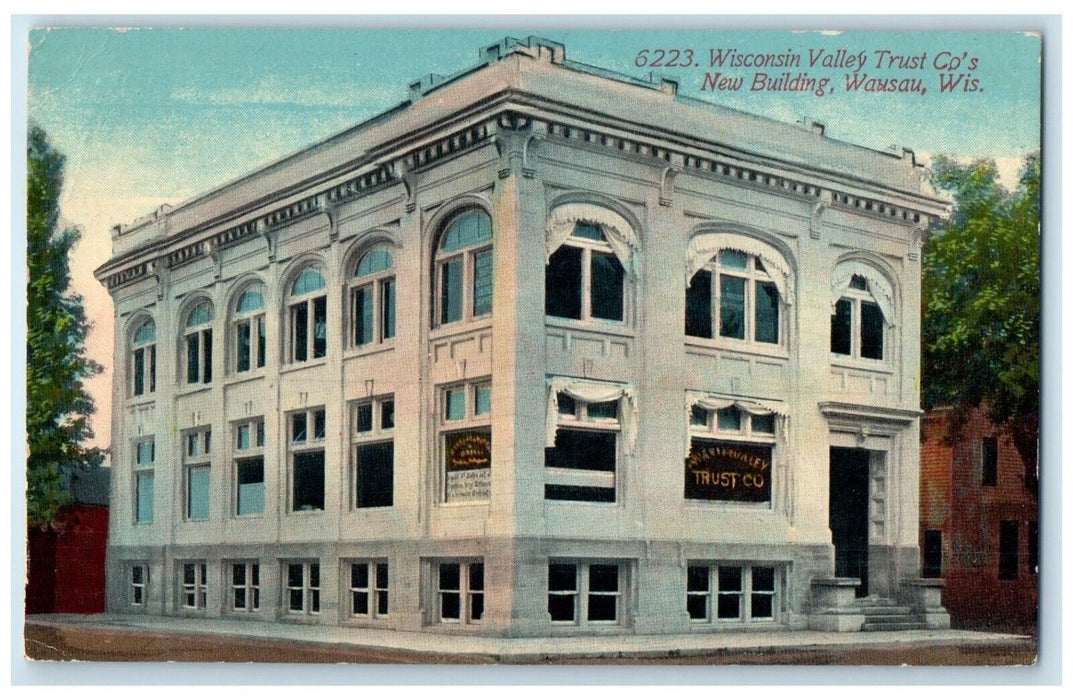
542	350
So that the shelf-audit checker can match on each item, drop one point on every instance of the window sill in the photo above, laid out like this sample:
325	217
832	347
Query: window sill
143	400
369	349
248	376
298	366
705	505
462	504
616	328
248	516
191	389
306	513
846	362
741	347
458	328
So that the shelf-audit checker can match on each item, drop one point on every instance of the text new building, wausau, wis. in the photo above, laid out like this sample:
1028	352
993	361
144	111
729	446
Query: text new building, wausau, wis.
542	350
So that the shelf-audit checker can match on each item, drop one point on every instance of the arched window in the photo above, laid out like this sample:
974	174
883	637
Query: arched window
143	359
197	344
307	316
249	329
862	306
372	298
463	268
737	290
583	278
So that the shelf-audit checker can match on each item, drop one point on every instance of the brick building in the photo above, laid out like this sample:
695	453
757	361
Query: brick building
979	522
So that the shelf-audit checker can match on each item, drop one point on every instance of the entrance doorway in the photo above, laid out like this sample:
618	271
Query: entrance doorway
849	514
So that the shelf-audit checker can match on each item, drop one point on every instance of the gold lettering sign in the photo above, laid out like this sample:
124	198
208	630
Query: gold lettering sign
728	471
469	451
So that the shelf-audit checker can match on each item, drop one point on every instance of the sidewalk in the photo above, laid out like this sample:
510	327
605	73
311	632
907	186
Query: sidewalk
533	649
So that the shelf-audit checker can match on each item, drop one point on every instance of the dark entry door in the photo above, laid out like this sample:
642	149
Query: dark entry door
849	514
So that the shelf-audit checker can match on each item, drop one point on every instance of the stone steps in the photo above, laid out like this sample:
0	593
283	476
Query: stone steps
881	614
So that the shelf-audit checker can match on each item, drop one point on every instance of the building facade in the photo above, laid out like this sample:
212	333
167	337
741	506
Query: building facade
979	521
539	351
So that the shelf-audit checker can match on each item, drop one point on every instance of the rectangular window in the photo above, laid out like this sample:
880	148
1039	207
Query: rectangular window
482	283
197	493
373	452
737	469
841	328
361	301
460	592
933	554
320	327
607	287
301	591
731	307
387	321
143	497
139	371
194	585
586	593
246	587
308	492
466	441
251	486
196	473
871	331
139	580
989	461
300	331
451	291
369	589
699	305
243	345
767	313
583	463
562	277
1009	536
731	593
307	431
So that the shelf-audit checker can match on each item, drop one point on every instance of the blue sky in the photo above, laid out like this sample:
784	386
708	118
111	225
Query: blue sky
158	115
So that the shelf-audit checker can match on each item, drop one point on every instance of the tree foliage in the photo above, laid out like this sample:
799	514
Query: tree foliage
57	405
981	299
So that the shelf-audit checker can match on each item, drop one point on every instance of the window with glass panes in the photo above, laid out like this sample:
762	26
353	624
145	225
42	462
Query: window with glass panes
372	298
463	268
307	317
301	588
139	582
249	329
369	589
586	593
583	463
197	464
731	452
373	451
144	459
249	466
583	279
305	442
734	297
143	359
857	323
466	440
459	591
731	592
245	586
197	344
194	585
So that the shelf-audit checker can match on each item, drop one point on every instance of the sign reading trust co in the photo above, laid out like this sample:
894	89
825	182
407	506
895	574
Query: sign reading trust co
728	471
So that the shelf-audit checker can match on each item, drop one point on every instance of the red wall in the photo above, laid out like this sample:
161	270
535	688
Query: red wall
65	570
954	500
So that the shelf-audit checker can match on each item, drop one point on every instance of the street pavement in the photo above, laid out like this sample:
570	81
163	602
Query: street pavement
465	648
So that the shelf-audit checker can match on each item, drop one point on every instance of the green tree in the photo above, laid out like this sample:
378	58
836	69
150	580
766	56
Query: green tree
57	405
981	299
